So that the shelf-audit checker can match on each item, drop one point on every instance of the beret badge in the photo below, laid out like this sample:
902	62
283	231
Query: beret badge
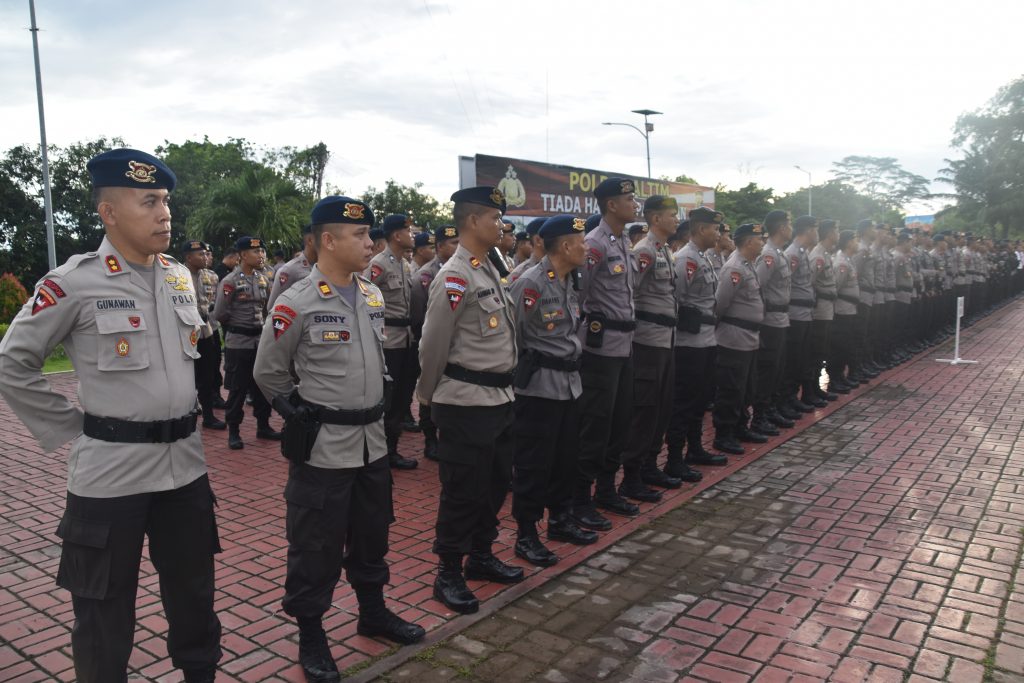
354	211
140	172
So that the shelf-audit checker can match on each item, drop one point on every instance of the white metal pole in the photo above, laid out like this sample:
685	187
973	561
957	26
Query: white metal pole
51	249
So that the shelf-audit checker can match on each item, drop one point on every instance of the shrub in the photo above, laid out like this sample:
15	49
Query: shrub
13	296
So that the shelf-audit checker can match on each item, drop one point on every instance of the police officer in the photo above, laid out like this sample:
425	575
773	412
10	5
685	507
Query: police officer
390	271
679	238
423	251
194	255
775	277
536	251
637	232
801	309
548	388
210	280
653	372
294	270
507	244
330	326
864	263
740	308
904	285
127	316
823	279
240	308
879	338
606	298
467	357
844	335
695	347
446	241
523	249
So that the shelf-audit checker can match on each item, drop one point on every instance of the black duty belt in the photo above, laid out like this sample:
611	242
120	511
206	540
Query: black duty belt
244	331
802	303
849	298
337	416
617	325
775	308
655	318
497	380
869	290
397	322
128	431
745	324
905	289
552	363
827	296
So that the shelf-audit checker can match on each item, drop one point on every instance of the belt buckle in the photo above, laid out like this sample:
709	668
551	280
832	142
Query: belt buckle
161	431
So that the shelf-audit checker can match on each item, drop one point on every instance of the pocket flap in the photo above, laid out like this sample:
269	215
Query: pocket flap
122	321
87	532
189	315
490	303
309	494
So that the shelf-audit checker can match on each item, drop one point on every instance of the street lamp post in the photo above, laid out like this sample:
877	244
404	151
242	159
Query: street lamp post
51	251
809	185
646	132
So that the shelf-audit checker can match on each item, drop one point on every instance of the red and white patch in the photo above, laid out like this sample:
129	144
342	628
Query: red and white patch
769	260
281	308
375	272
455	289
691	269
345	335
281	325
594	257
55	288
643	261
842	270
229	290
530	297
43	299
282	278
134	321
794	261
735	277
819	264
426	279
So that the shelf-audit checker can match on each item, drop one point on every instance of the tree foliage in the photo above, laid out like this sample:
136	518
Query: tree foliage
839	201
882	179
749	204
410	200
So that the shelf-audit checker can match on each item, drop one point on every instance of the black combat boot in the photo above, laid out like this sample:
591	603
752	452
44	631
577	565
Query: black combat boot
375	619
482	565
314	652
529	546
234	438
450	586
265	431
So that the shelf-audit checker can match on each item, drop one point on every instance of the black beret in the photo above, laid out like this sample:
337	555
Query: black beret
657	202
244	243
724	229
207	246
423	239
130	168
827	224
938	237
338	209
749	230
703	214
773	218
307	229
614	187
804	223
865	224
564	224
682	230
394	223
445	232
522	236
592	222
192	245
534	226
508	221
484	195
845	236
904	236
377	234
638	229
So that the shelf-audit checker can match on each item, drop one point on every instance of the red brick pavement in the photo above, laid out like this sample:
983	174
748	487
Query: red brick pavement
907	561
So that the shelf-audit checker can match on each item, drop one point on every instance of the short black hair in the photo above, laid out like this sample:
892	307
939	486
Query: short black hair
463	210
551	243
229	251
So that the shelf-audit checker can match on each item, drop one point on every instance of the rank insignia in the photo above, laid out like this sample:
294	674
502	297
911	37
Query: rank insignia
644	260
474	261
54	287
112	263
551	275
134	321
163	261
325	289
194	337
281	324
769	260
492	322
330	335
170	279
530	297
375	272
691	269
735	277
180	284
43	300
122	347
281	308
455	289
373	301
140	172
354	211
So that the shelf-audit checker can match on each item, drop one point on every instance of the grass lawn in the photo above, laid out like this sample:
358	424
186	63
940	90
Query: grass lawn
57	365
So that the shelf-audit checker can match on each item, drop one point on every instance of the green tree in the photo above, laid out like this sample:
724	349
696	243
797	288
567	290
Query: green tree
749	204
681	178
410	200
882	179
841	202
307	167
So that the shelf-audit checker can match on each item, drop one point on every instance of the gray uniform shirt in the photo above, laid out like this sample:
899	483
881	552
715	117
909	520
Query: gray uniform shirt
654	291
421	280
823	279
133	350
469	323
878	274
889	259
903	277
847	286
864	262
608	288
338	358
775	277
392	274
518	271
801	293
210	279
547	321
696	283
714	257
202	301
287	275
241	302
738	296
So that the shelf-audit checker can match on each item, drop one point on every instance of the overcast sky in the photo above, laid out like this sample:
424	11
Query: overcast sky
400	88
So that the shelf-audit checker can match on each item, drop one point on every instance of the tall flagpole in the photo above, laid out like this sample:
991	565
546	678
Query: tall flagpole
47	200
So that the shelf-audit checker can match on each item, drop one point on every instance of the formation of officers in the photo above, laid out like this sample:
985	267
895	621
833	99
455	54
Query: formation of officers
544	362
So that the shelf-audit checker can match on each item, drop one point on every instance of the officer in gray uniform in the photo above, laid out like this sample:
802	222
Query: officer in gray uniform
739	305
194	255
446	241
241	308
606	298
653	372
880	330
904	281
775	277
390	271
844	335
210	279
864	262
695	347
294	270
823	279
330	328
801	309
126	314
536	252
548	388
467	359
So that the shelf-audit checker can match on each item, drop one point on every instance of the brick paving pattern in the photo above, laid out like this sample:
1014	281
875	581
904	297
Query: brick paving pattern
881	543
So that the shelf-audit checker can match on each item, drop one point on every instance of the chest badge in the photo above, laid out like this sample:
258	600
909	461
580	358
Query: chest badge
194	337
617	268
122	347
492	322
